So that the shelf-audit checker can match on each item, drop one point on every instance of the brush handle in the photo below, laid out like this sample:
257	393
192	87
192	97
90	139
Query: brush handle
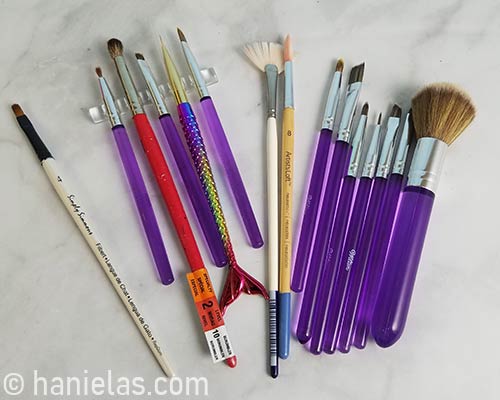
194	191
310	216
143	204
233	174
403	256
168	190
338	296
359	266
334	251
87	229
338	169
272	204
376	258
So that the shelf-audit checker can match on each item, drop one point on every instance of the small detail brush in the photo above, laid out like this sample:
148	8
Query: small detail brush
223	148
315	190
87	230
268	58
185	167
440	112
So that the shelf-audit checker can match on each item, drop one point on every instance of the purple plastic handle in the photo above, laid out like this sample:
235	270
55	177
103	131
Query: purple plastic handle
398	279
376	258
359	266
334	251
233	174
195	191
310	216
338	168
337	296
143	204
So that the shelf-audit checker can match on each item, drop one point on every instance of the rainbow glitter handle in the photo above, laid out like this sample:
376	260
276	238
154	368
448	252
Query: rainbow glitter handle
238	280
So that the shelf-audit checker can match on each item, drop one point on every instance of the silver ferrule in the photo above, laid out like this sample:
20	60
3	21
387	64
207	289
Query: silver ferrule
427	163
351	99
288	102
109	103
128	86
398	167
199	81
357	144
153	87
384	161
371	158
332	102
272	89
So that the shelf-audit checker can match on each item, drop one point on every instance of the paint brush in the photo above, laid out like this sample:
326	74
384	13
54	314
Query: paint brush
184	166
316	182
136	183
94	241
223	148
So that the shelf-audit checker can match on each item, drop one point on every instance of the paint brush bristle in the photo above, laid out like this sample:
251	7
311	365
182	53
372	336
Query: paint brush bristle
441	111
139	56
182	38
364	110
265	53
379	121
115	48
340	65
288	52
357	73
18	111
98	71
396	111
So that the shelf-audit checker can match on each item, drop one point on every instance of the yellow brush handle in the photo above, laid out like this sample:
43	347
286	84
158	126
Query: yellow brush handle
286	181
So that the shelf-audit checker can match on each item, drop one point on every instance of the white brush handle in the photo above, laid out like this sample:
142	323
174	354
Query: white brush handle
86	227
272	203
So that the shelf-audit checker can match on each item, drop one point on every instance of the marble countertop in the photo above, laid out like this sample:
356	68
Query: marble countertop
58	313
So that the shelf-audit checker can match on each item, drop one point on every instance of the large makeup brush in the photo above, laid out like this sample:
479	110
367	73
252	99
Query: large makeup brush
268	57
441	112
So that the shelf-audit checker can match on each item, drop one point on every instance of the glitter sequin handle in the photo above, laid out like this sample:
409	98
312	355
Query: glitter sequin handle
237	280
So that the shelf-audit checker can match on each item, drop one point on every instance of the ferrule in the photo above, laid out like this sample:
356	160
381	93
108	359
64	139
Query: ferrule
153	87
384	163
175	79
332	102
372	154
199	81
351	99
272	89
427	163
398	166
109	103
128	86
288	103
357	145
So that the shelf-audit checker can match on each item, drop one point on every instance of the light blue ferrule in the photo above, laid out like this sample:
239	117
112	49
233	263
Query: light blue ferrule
288	84
332	102
284	315
109	103
371	158
357	144
199	81
128	86
384	163
153	87
398	166
351	100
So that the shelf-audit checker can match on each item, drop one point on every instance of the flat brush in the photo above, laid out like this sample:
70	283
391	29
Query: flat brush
440	112
185	168
87	229
223	148
339	315
315	189
237	280
219	350
137	185
268	58
336	171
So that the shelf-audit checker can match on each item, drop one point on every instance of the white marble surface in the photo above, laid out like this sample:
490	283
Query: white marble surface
58	313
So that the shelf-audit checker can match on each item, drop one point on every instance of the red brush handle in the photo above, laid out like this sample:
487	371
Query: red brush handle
168	190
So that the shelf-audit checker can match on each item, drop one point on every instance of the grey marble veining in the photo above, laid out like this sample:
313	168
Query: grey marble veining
58	313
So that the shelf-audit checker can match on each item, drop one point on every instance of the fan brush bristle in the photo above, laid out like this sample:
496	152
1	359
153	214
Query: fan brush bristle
265	53
441	111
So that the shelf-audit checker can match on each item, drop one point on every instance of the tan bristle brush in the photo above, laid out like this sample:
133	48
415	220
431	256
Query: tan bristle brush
441	112
268	57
